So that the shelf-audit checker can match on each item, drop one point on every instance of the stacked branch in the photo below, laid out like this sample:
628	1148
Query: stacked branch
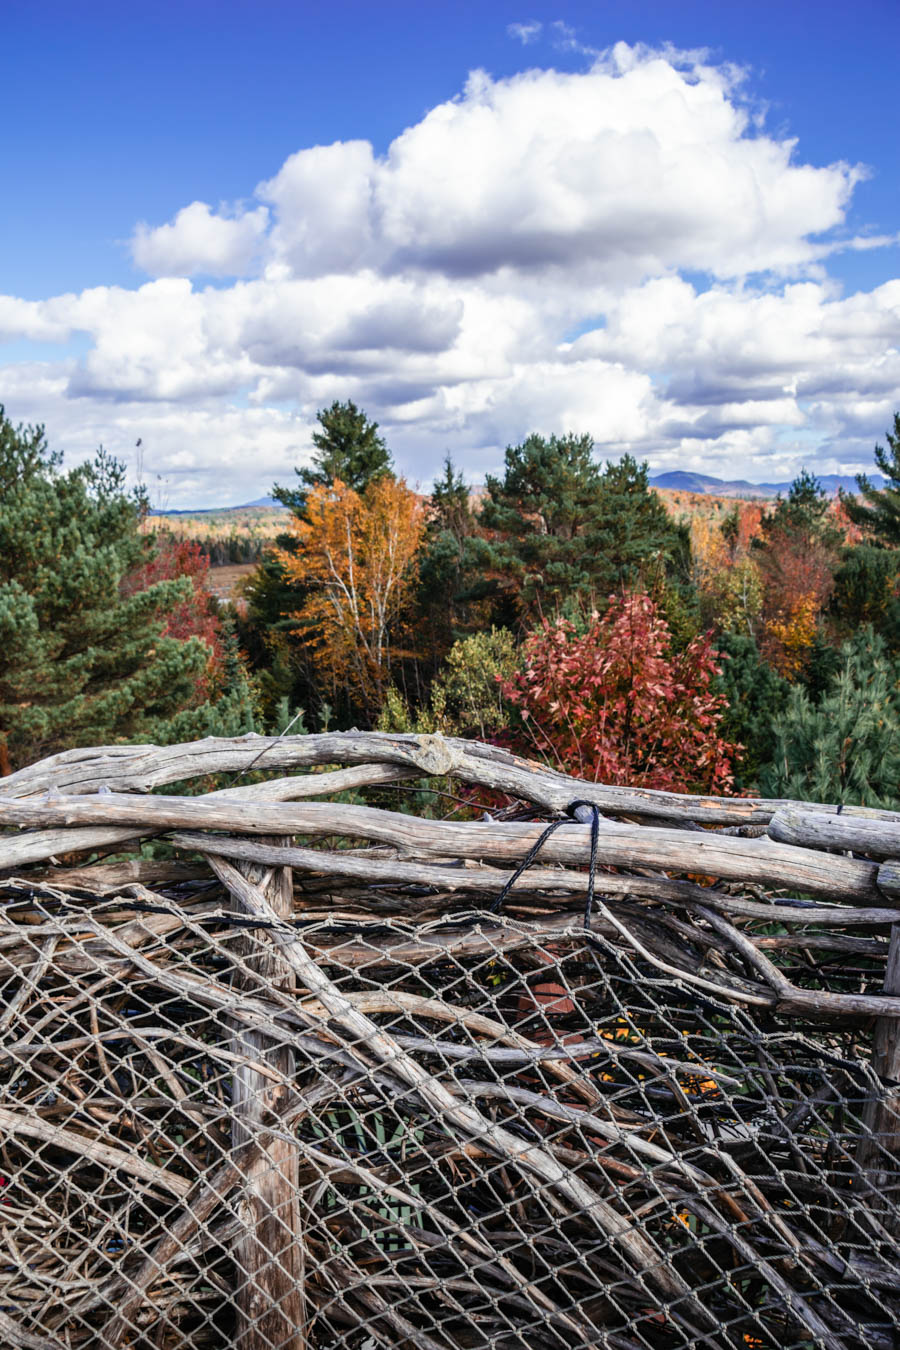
284	1071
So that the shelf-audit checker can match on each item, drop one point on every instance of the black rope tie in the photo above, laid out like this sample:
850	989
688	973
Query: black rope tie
533	853
595	841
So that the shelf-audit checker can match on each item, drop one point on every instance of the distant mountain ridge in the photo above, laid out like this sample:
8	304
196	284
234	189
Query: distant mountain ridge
680	480
676	480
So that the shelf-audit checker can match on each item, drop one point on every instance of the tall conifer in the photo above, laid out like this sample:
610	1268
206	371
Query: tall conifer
565	526
879	510
846	748
348	447
83	661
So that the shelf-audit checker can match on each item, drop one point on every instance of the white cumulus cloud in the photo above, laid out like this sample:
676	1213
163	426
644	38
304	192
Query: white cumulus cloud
623	251
200	240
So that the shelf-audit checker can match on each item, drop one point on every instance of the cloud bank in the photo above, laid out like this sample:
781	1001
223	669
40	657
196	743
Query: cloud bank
623	251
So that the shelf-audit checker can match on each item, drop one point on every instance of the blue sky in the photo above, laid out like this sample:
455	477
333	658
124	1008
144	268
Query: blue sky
672	225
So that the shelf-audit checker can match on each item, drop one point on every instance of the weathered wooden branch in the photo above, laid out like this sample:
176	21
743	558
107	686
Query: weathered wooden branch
879	1151
269	1254
877	836
16	1124
147	768
632	846
375	871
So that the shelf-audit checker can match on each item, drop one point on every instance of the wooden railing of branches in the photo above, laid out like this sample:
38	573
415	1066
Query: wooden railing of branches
737	899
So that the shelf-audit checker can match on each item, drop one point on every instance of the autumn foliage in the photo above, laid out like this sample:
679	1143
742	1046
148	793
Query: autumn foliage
614	703
355	563
193	617
798	576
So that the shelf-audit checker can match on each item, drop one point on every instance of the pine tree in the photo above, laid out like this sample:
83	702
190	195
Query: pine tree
270	634
805	510
867	590
451	581
231	711
82	660
348	447
451	511
564	526
846	749
755	695
879	511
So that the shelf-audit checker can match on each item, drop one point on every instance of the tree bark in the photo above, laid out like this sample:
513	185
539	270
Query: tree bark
269	1256
879	1152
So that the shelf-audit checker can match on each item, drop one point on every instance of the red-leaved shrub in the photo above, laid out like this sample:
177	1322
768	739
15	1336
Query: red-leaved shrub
195	616
615	704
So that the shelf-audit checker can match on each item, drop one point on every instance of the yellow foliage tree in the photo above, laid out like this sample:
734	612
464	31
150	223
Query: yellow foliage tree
789	634
725	575
355	563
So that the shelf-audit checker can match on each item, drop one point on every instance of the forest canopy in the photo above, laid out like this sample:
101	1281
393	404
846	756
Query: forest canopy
565	610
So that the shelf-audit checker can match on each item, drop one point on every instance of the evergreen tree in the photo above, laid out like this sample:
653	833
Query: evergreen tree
451	512
756	695
348	447
268	633
232	712
82	661
633	528
879	511
823	662
866	586
846	749
804	511
451	580
24	454
564	526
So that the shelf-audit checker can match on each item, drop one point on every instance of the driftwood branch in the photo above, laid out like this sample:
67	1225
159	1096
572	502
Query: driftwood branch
270	1251
148	768
754	860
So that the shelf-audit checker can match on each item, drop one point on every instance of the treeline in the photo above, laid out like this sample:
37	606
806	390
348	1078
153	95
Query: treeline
220	550
570	617
564	614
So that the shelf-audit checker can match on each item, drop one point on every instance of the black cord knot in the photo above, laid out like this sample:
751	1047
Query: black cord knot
533	853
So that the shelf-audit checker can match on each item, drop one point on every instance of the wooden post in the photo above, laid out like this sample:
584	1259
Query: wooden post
881	1118
269	1255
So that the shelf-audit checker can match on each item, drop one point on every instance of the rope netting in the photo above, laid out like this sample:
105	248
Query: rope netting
291	1104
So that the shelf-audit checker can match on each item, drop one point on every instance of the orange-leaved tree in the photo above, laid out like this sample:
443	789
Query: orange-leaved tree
797	552
615	703
355	564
